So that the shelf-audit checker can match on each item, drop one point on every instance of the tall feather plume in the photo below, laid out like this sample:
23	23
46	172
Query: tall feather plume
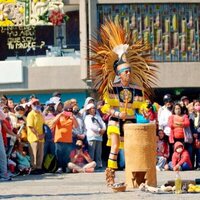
104	52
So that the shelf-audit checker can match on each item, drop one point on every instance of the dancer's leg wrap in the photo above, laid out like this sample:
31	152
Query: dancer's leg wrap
110	176
112	164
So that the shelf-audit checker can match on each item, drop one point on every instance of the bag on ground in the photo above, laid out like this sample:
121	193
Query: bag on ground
50	163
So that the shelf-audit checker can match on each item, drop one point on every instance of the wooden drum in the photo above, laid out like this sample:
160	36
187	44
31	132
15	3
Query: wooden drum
140	154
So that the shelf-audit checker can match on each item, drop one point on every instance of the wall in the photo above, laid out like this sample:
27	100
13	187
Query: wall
179	74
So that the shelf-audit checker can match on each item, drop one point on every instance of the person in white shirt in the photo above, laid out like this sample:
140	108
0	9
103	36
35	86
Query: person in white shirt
95	128
163	114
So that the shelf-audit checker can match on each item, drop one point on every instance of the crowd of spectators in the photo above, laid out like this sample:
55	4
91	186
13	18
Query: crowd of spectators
76	137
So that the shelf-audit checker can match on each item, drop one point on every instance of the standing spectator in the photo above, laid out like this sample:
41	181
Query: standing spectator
87	101
95	128
74	102
195	128
180	159
80	159
163	114
64	123
32	96
20	120
4	99
56	94
178	121
3	159
56	97
49	145
23	100
184	104
58	107
79	132
11	105
7	131
162	151
35	136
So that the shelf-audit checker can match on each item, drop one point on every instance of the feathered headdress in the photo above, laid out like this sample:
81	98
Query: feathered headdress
108	50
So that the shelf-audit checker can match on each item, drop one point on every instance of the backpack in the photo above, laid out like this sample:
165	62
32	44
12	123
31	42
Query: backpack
47	132
50	163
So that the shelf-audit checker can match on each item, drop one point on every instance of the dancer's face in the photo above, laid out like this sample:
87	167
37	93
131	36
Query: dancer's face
124	72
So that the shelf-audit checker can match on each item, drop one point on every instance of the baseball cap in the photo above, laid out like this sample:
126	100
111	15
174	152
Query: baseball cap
183	98
167	98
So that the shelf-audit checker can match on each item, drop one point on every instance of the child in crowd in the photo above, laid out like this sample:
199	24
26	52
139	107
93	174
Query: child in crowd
80	159
22	159
180	159
162	151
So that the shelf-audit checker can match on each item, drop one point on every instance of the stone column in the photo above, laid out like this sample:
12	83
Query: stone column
83	38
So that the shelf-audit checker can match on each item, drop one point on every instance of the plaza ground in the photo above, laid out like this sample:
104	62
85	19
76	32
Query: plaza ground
85	187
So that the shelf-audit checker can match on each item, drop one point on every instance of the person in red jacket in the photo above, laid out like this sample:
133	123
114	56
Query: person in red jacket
180	159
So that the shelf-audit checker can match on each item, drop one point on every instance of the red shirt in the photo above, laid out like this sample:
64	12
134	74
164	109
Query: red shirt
162	148
80	159
4	133
177	130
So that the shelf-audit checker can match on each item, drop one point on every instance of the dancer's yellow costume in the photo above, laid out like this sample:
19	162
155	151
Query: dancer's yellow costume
122	73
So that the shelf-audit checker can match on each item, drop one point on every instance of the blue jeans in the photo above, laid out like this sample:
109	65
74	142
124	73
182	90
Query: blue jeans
161	161
197	155
62	151
189	148
95	151
121	159
184	166
3	159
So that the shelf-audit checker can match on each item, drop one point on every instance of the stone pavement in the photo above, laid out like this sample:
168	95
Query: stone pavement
85	187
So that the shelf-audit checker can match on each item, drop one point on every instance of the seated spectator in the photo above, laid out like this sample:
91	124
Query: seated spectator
180	159
80	159
22	159
162	151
